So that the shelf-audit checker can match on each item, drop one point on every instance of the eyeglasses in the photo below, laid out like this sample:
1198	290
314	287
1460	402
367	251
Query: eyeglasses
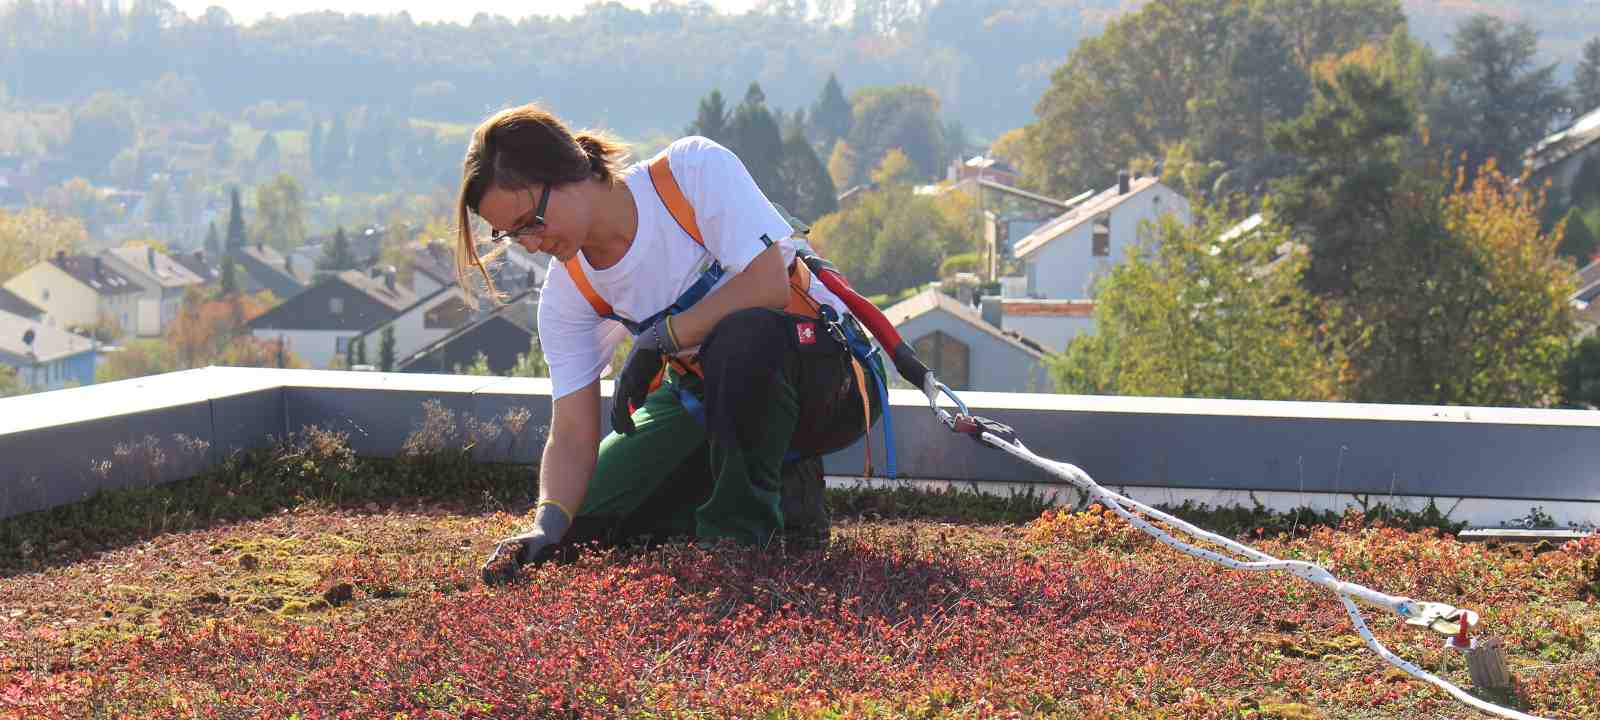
533	227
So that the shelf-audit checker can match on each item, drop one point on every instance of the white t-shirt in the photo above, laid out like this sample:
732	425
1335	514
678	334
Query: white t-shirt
663	261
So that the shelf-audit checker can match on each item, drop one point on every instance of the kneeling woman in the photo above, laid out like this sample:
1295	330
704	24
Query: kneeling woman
734	368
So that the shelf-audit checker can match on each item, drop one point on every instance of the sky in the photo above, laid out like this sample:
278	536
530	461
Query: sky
248	11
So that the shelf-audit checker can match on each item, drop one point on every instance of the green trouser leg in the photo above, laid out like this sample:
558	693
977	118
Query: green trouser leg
746	496
657	480
640	478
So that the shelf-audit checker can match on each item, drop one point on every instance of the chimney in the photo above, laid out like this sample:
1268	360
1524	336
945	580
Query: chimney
1122	182
150	254
992	309
200	256
61	256
97	271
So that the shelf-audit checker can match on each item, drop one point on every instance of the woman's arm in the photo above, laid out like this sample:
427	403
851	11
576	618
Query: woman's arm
762	283
572	449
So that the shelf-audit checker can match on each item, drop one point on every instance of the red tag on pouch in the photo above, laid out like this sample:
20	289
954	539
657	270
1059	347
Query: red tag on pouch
806	333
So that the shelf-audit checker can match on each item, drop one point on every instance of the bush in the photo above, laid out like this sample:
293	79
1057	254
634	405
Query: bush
963	262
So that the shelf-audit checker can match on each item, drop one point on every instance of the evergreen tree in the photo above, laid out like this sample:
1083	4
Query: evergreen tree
361	351
267	152
830	117
213	242
1495	102
236	239
712	119
386	350
1579	242
336	148
755	138
336	255
1586	79
806	179
230	277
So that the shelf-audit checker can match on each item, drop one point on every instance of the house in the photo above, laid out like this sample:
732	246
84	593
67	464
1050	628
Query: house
1587	311
429	318
980	167
1064	257
1050	323
319	323
434	266
79	291
45	357
201	265
263	268
163	281
1009	214
12	303
1561	156
500	334
966	352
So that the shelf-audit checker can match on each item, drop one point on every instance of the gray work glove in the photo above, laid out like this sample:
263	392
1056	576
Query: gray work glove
550	524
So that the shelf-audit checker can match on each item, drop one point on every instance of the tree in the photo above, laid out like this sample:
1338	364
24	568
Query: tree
1577	239
842	166
1494	102
386	350
236	236
229	281
904	117
1580	376
101	127
213	243
1352	140
336	148
280	214
830	116
1189	71
10	384
889	240
1490	326
711	121
160	202
33	235
807	181
895	169
1189	314
267	152
754	136
1586	78
336	255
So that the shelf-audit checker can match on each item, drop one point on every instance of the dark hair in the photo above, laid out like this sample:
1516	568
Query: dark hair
517	148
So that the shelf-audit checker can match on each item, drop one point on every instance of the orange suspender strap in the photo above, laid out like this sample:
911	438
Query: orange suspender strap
671	196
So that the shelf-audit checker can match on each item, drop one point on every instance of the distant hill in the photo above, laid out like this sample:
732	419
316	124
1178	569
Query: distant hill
638	73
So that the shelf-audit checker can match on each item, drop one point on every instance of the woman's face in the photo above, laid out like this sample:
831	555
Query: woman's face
515	216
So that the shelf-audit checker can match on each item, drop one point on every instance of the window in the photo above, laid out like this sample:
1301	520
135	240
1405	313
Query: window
336	305
1102	236
342	345
947	357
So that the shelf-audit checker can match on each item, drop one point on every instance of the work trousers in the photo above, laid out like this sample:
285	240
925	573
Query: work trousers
775	387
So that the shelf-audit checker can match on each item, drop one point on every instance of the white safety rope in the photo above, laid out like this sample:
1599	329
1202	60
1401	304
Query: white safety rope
1414	611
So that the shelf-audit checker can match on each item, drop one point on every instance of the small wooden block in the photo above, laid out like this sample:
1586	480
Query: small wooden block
1486	662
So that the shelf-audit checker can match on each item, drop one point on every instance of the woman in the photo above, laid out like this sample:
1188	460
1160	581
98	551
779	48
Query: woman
750	370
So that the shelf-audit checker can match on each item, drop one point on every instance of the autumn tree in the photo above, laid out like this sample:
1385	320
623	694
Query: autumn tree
1490	324
32	235
280	213
902	116
1190	313
889	240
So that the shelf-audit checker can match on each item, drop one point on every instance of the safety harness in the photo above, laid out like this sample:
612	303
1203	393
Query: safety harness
801	276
